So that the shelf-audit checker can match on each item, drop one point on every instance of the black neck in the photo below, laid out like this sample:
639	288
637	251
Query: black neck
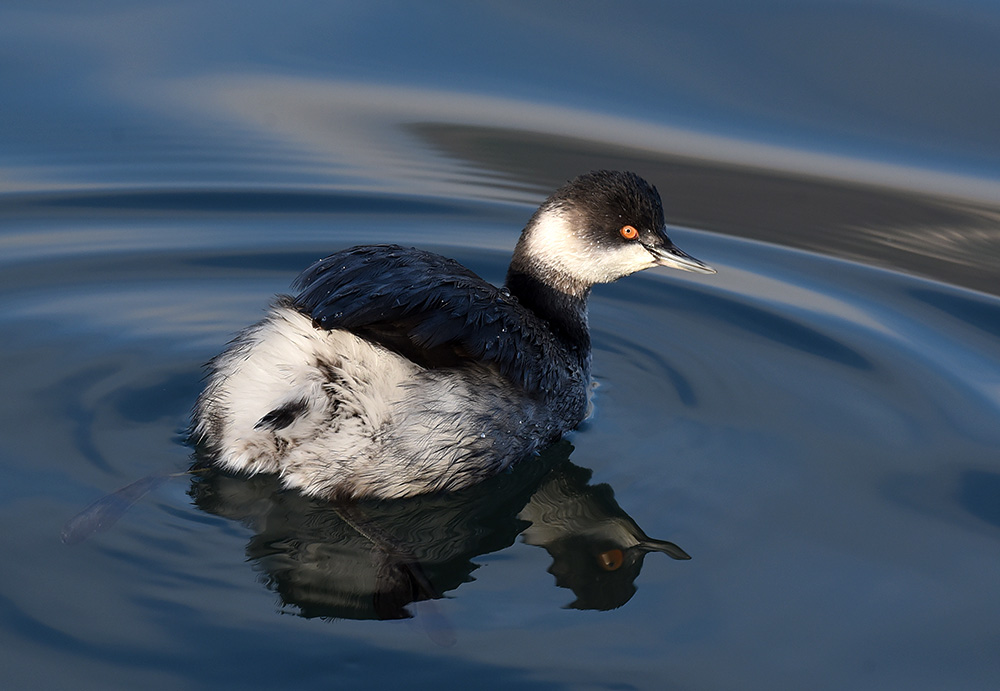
565	313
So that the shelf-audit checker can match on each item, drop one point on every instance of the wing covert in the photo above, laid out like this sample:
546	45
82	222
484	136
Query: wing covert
436	302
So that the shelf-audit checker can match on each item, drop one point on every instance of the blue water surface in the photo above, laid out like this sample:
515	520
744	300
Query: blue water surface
817	425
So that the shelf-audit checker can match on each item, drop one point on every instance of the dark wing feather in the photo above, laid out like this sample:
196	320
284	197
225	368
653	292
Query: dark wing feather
388	293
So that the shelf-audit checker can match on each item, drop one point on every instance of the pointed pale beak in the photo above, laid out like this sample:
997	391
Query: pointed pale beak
678	259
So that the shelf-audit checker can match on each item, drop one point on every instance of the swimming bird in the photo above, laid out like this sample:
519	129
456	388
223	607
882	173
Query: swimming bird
395	371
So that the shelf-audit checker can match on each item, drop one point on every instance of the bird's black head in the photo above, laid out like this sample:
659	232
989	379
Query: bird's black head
596	229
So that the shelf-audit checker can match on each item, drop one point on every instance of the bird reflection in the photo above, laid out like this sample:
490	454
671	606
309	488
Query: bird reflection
370	560
597	549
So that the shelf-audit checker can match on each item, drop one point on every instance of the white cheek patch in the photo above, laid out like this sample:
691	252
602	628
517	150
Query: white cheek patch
555	244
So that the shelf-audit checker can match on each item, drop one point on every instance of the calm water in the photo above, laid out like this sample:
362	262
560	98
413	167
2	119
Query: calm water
817	426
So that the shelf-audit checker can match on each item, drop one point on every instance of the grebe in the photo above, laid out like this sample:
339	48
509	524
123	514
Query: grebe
396	372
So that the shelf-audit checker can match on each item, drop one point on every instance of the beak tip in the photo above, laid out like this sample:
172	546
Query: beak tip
685	262
669	255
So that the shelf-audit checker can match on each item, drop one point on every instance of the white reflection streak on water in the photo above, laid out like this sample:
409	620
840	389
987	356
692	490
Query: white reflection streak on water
963	245
847	306
794	298
358	125
49	244
181	317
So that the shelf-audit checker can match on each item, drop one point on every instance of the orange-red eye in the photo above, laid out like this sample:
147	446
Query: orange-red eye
611	560
629	232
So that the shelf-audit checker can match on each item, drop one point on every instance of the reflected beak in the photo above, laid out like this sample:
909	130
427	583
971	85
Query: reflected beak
677	259
670	549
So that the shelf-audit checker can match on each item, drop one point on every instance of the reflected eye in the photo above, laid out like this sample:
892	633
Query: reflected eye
613	559
629	232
